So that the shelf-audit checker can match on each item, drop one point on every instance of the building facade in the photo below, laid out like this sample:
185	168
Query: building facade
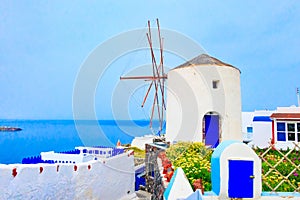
280	127
204	102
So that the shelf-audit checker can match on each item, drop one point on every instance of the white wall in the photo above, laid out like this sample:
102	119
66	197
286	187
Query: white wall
191	96
240	151
262	134
262	130
140	142
110	180
291	109
51	155
247	121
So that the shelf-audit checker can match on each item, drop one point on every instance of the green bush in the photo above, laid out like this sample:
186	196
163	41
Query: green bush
194	159
138	153
272	177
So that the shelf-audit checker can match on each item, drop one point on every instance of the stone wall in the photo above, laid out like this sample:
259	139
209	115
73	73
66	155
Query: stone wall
154	179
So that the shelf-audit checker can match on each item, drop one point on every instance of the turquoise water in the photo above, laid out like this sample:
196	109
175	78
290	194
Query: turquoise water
63	135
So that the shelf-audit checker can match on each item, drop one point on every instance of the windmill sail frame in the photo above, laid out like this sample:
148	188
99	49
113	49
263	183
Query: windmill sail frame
157	79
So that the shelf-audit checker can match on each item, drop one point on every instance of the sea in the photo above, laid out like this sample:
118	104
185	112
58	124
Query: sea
39	136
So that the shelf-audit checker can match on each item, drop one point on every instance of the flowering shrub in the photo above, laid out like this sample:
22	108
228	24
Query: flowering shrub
279	171
168	171
194	159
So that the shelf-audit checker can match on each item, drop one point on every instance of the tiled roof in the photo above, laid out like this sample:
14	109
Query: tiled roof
204	59
285	116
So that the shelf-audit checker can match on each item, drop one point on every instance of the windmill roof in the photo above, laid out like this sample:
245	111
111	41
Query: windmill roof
204	59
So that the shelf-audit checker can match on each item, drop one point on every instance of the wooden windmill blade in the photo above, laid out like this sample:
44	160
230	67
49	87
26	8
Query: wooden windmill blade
155	72
161	73
157	79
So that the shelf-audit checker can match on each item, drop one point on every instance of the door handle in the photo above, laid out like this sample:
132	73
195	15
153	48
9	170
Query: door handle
252	177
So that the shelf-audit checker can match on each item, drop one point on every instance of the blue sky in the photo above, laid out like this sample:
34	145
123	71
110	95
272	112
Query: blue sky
44	43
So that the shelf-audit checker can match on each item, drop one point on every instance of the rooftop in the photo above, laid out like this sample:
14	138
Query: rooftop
204	59
285	115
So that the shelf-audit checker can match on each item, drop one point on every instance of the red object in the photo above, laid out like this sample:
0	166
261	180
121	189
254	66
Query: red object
118	143
41	169
89	167
273	134
197	184
285	116
169	175
75	168
131	153
167	166
14	172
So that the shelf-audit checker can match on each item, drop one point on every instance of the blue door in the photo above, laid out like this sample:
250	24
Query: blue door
212	130
240	183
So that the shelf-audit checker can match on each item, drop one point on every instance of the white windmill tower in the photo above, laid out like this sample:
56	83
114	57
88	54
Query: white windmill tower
204	102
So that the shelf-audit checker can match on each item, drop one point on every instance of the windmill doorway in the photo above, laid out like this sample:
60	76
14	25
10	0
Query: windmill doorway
211	129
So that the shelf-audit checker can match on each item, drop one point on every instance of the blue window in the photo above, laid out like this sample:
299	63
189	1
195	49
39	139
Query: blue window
249	129
280	126
281	136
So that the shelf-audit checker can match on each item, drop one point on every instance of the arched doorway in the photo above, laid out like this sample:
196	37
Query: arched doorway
211	129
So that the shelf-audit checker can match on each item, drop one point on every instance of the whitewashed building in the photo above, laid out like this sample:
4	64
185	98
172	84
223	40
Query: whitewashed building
286	127
257	127
280	127
204	102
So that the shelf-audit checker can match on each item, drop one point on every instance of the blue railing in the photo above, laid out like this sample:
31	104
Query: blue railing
38	159
116	151
140	178
75	151
35	160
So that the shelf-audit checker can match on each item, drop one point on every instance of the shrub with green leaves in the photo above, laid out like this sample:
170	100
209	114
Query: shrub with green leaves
194	159
284	173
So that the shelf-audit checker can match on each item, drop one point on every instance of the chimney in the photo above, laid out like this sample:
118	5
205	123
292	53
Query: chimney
298	97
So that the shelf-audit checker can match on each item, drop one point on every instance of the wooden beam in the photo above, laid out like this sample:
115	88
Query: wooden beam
146	78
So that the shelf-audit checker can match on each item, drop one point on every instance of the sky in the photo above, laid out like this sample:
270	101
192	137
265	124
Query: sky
43	45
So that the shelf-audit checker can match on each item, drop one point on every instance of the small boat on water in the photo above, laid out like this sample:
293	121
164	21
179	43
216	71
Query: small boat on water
9	129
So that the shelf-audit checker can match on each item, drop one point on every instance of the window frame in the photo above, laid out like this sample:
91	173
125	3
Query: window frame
280	131
288	131
215	84
291	133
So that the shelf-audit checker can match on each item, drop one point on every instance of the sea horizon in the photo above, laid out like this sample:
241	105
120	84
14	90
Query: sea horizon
39	136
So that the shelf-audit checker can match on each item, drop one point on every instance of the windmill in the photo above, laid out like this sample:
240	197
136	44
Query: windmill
157	80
